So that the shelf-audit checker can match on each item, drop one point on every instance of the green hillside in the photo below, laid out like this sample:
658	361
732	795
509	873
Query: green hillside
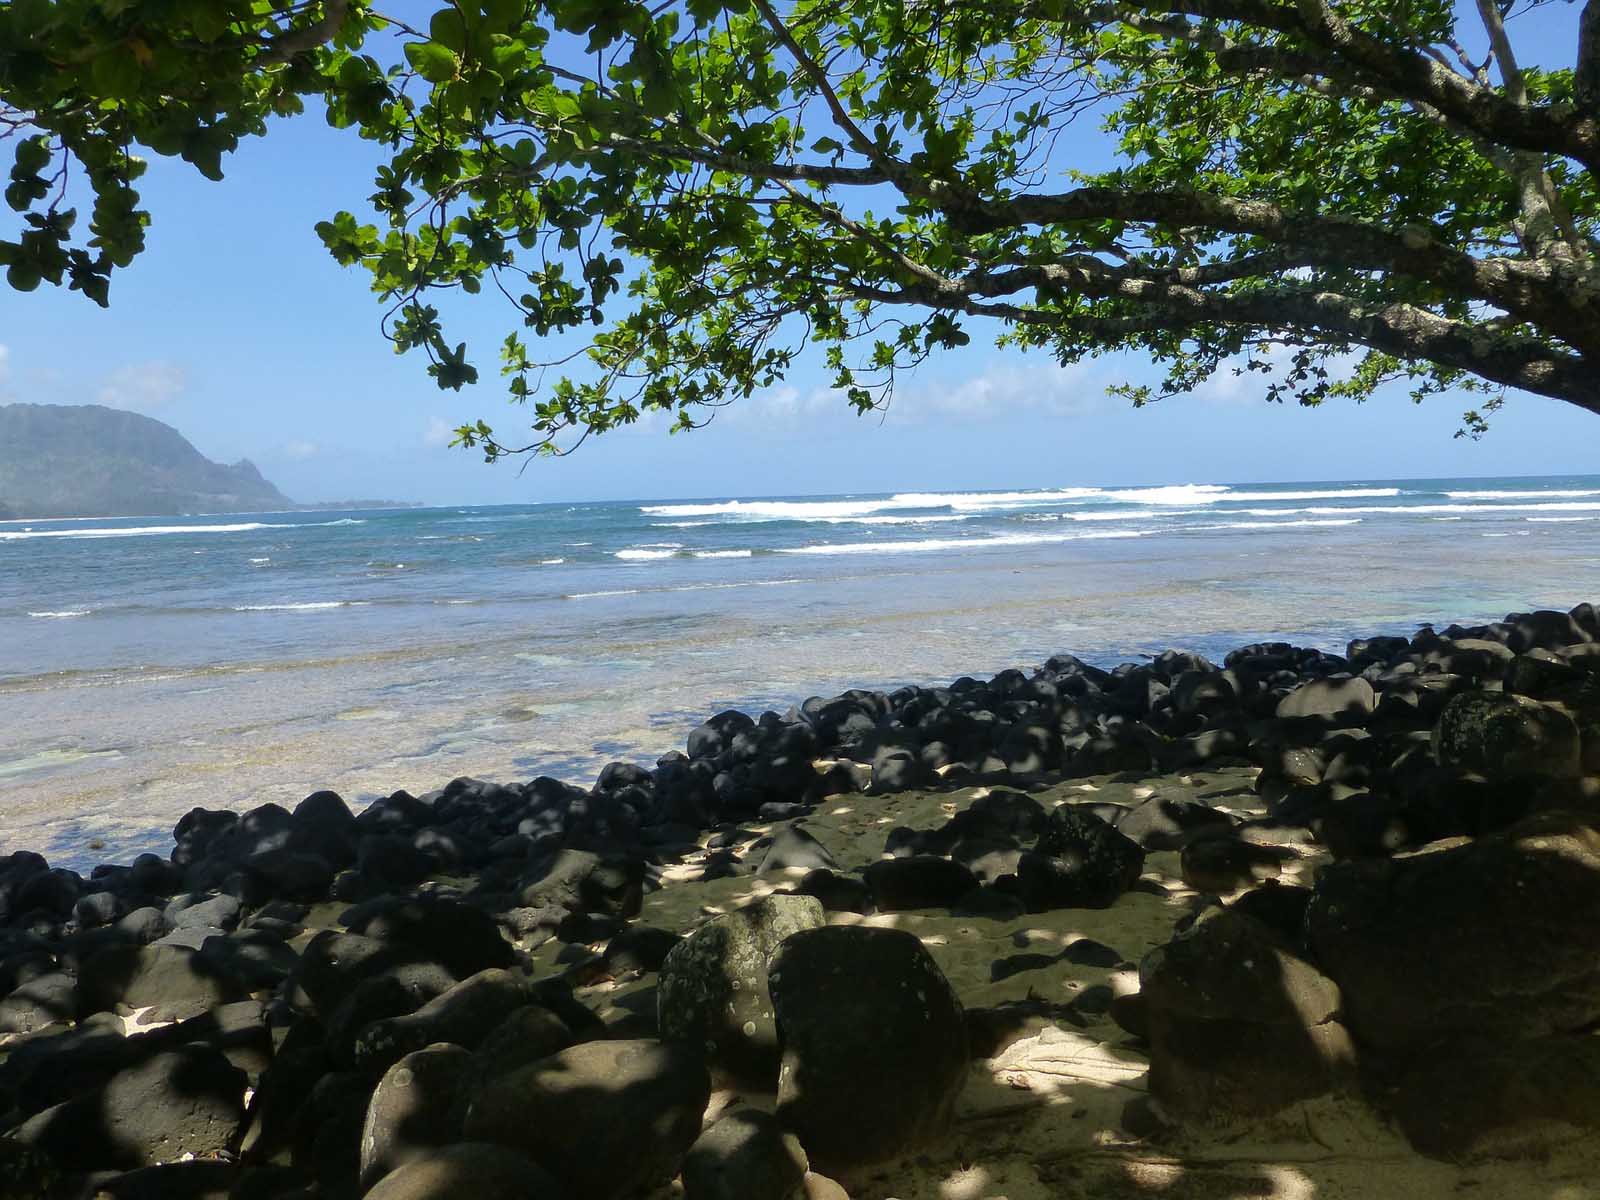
85	460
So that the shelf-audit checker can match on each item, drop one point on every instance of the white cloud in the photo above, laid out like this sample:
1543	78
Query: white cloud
438	433
5	362
143	387
301	450
1229	389
1036	387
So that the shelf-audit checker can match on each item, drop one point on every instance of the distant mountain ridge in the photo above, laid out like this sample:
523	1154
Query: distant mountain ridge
86	460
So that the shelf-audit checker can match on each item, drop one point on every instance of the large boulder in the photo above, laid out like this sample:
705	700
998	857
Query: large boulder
475	1170
1080	861
606	1118
27	1173
1501	734
745	1154
1168	823
463	1015
1346	701
418	1106
1238	1024
581	881
462	939
173	982
1495	939
874	1043
44	999
998	813
712	991
179	1103
921	881
334	965
525	1036
794	849
1516	1099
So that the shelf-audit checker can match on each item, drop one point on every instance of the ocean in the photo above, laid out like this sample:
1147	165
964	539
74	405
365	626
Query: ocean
151	665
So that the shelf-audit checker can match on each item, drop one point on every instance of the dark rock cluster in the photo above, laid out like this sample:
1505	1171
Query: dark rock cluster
342	1002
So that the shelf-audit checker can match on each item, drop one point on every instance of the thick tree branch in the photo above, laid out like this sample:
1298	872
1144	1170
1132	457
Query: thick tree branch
1326	240
1403	330
1410	73
1547	227
298	41
1586	82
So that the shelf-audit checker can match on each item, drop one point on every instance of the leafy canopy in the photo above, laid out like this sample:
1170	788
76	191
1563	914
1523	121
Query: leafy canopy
693	191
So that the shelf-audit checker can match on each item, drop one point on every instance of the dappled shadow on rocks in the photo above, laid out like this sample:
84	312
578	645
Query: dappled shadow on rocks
1097	885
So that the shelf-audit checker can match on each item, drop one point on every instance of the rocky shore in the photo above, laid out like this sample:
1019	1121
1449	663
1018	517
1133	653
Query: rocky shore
1295	924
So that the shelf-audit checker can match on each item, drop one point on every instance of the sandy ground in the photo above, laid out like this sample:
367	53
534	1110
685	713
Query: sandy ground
1044	1119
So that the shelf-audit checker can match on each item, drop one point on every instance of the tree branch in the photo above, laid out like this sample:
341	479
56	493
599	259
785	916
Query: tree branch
892	168
1411	74
1586	82
751	168
1547	225
1402	330
297	41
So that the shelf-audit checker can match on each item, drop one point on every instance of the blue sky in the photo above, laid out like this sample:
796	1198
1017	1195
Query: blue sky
237	328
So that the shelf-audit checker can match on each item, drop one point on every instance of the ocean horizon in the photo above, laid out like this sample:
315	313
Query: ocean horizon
150	665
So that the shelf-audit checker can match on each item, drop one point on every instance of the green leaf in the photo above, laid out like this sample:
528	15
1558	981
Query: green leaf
435	63
116	73
24	276
33	156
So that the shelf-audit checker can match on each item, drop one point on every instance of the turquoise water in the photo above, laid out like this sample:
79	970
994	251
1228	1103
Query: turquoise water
150	665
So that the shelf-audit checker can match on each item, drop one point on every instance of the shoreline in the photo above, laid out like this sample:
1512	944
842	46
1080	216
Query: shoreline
423	645
1187	820
506	706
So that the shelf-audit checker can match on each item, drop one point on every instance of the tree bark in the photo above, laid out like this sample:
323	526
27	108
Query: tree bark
1587	81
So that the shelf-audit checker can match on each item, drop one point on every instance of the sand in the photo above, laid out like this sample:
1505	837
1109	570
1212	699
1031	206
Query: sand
1044	1118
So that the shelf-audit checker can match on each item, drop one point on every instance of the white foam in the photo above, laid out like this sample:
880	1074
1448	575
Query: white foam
1146	515
686	587
870	519
310	606
1337	494
1423	509
1557	493
844	510
1171	496
68	612
775	510
551	562
1279	524
723	553
1174	496
930	519
934	545
983	500
640	555
1559	520
159	530
1212	493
